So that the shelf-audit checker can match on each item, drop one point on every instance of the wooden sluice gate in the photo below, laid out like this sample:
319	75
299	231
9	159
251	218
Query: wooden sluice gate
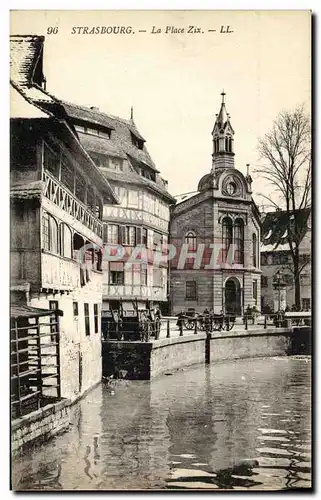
34	358
131	325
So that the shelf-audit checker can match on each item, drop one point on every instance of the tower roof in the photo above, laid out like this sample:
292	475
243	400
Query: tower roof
222	119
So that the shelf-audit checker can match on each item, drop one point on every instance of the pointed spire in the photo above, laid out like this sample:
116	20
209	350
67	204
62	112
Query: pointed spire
222	117
222	134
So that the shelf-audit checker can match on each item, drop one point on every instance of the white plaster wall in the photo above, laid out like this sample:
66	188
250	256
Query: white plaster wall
74	344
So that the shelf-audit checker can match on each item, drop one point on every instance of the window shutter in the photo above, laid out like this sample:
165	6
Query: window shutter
122	235
105	233
138	235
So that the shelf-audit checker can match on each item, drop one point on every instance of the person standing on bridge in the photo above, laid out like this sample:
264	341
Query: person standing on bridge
180	321
158	319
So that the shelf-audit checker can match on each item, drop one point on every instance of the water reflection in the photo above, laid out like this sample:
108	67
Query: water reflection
236	425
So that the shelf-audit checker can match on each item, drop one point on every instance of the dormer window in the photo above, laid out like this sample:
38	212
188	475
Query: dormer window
112	163
138	143
80	128
106	133
148	174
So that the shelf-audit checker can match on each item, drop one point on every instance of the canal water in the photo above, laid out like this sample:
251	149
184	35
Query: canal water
241	425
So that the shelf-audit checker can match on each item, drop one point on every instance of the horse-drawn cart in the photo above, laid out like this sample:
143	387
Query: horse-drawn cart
208	322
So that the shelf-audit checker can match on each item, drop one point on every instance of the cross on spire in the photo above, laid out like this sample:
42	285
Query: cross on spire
223	94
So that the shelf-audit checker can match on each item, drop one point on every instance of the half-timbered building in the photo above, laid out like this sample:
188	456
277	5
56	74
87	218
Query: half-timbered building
142	217
57	199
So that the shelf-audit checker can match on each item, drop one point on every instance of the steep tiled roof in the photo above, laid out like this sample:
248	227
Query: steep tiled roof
133	178
25	55
87	114
274	228
122	130
26	58
100	145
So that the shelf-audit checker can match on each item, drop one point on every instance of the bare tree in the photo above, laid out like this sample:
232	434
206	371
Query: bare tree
285	153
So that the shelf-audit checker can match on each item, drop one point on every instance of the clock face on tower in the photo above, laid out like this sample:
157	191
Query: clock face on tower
231	186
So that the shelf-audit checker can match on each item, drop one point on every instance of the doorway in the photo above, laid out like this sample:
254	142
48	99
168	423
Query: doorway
233	296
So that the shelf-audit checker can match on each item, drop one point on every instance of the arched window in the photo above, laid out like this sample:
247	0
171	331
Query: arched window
226	144
254	250
227	237
239	241
216	145
190	240
78	244
49	233
89	254
65	241
230	144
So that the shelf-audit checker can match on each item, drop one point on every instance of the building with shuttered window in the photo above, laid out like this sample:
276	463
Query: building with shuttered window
142	217
57	198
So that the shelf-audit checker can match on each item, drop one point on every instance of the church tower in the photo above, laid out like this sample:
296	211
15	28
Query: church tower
223	141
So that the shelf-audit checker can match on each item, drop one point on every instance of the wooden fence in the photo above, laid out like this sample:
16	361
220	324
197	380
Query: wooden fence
35	361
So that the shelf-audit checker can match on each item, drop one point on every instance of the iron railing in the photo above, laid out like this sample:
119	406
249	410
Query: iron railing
131	329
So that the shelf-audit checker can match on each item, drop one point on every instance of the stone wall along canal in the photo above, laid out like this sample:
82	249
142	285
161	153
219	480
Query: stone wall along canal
241	424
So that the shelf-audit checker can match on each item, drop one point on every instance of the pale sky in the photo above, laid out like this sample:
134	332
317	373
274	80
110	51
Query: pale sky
174	80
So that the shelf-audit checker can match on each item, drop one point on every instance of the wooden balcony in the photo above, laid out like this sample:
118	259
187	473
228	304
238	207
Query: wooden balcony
64	199
59	273
129	292
53	272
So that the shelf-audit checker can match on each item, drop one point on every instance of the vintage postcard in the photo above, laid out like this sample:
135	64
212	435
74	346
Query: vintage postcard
160	189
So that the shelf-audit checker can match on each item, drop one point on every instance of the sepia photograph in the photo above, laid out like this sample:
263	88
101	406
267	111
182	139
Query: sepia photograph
160	250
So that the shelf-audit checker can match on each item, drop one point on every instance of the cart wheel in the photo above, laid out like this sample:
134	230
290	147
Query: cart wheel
216	326
201	326
229	325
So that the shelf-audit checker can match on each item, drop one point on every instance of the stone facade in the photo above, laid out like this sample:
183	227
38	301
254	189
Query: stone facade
80	354
220	227
40	425
147	360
